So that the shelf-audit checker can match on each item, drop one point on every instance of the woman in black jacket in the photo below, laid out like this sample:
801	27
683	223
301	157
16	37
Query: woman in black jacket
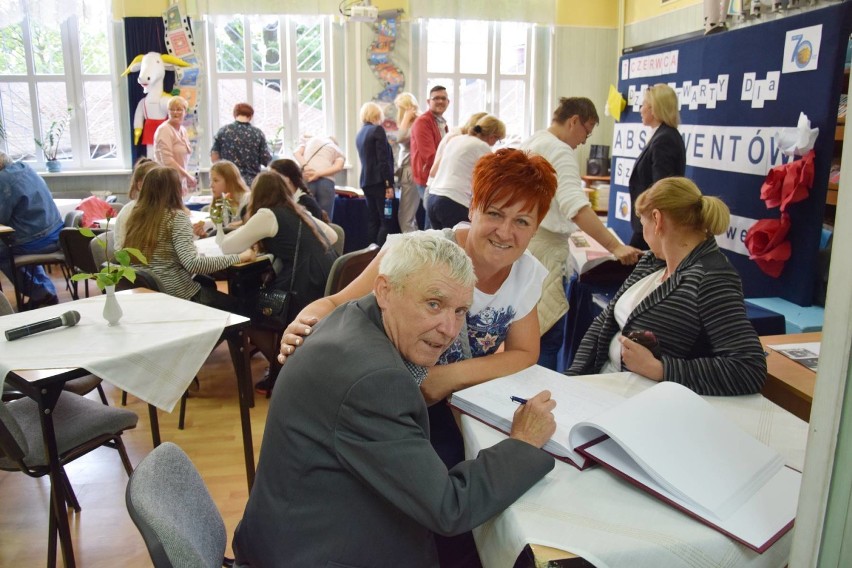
664	154
680	315
376	169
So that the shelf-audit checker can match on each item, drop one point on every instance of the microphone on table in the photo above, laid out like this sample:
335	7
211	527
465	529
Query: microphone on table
67	319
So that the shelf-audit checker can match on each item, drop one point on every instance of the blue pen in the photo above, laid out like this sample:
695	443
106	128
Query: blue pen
518	399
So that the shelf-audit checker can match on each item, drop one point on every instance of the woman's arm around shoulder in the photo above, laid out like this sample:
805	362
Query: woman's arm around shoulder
520	350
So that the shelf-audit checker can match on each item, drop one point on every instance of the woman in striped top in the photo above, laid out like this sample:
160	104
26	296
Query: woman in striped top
687	294
159	227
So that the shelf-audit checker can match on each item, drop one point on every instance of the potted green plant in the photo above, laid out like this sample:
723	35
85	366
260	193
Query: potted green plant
276	143
111	274
50	143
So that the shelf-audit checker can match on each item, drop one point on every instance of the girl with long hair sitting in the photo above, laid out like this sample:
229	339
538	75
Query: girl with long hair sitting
303	196
159	227
277	223
227	183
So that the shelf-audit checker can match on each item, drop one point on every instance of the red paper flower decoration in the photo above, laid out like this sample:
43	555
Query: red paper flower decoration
770	191
788	183
768	246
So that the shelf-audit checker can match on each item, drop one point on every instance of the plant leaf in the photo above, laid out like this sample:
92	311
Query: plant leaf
137	253
123	257
87	232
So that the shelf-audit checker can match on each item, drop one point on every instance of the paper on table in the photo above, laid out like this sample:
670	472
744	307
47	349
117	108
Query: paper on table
575	401
806	354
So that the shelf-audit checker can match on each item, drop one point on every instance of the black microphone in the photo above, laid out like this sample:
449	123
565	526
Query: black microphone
68	318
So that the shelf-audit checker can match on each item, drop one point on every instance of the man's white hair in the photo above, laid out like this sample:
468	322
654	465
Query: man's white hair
413	252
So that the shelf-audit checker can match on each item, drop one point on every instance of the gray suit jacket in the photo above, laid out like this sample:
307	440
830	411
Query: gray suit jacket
347	476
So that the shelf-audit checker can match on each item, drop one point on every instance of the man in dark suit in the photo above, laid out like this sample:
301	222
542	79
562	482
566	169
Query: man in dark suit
663	156
347	475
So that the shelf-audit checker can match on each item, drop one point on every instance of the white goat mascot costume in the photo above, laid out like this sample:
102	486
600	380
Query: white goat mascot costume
152	110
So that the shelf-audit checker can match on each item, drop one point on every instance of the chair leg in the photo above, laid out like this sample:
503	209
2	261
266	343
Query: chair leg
122	452
102	394
70	496
182	415
123	398
52	531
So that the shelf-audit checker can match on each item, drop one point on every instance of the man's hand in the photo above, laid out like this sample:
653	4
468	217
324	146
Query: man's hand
533	422
294	335
626	254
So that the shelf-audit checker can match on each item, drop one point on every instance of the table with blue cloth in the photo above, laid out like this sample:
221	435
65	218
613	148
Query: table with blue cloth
351	214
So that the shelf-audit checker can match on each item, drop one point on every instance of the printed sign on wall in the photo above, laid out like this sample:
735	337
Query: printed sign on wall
736	90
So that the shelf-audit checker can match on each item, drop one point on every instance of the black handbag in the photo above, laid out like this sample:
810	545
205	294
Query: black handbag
271	308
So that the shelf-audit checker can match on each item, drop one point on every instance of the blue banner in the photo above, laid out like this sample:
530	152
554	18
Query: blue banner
736	90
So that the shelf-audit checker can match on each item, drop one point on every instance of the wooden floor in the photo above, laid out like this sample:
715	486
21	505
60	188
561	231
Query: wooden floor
104	536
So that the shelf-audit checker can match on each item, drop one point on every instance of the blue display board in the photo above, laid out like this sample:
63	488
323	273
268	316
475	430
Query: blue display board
736	89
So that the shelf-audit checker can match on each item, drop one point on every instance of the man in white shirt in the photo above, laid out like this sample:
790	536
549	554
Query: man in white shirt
573	122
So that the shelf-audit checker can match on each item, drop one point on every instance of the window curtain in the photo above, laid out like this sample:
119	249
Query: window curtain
531	11
291	7
142	35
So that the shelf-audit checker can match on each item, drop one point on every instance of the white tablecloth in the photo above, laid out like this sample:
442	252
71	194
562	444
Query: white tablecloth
66	205
611	523
154	352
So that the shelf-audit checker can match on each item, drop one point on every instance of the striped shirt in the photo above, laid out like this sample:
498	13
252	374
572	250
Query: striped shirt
698	316
175	260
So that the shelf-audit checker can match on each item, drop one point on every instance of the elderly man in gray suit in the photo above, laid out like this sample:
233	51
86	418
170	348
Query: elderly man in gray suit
347	476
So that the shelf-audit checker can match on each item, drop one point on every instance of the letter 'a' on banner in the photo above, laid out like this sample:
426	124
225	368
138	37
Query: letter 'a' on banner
736	90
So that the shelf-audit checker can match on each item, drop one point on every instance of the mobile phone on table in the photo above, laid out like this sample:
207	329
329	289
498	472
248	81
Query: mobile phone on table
646	339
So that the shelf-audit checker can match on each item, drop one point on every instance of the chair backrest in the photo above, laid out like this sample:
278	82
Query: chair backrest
74	218
346	268
99	254
13	442
341	238
77	250
171	507
5	306
144	279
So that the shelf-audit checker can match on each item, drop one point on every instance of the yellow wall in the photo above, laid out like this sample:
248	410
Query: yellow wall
638	10
138	8
587	13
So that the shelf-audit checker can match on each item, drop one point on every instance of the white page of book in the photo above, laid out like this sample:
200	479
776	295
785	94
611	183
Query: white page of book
688	447
575	401
755	522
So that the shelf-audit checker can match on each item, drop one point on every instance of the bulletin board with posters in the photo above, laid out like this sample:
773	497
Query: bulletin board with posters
736	90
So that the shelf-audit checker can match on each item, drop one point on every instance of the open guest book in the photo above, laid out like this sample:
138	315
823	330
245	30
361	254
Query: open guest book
666	440
593	262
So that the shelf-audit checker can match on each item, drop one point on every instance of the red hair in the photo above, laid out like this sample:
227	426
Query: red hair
512	175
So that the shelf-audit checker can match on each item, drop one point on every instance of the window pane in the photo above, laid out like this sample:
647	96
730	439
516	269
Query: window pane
441	46
47	49
309	42
12	60
311	107
513	48
268	103
265	44
17	120
512	106
94	41
100	125
53	110
471	98
231	92
230	45
473	51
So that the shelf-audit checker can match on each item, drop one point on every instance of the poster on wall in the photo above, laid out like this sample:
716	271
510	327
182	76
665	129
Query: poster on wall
736	91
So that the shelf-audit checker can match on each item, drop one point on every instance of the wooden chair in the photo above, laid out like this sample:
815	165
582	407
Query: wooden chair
347	268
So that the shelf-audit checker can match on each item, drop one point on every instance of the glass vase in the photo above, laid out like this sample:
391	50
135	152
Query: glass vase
220	233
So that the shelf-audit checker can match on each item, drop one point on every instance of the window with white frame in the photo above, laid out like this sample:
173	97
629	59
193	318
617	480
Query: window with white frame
279	65
485	66
56	86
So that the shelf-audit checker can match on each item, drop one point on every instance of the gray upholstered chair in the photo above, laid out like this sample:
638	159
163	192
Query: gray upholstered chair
78	256
81	425
171	507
